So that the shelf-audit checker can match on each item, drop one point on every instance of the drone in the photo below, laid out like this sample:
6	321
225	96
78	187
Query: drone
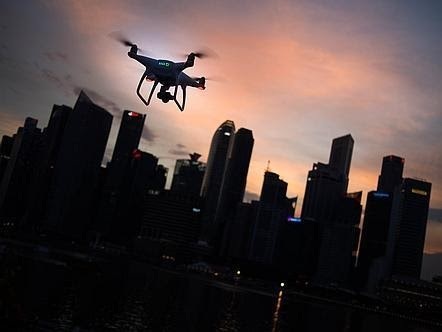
166	73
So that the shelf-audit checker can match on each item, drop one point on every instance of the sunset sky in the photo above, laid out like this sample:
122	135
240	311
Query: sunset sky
297	73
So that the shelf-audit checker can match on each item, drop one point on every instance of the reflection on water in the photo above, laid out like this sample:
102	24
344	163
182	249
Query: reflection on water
130	296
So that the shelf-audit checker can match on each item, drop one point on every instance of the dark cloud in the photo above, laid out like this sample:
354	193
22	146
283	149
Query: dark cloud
249	196
177	152
100	100
180	146
148	134
435	215
57	56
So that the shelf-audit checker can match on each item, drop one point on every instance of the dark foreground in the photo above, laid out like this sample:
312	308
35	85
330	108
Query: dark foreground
68	291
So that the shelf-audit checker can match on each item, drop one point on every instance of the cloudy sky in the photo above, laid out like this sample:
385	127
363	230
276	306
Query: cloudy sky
298	73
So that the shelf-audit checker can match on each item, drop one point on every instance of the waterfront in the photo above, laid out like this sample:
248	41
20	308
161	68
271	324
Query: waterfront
125	295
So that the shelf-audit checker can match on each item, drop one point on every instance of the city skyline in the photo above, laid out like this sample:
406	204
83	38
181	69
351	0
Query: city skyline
385	97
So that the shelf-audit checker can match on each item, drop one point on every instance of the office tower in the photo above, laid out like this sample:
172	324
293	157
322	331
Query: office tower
408	225
77	168
340	155
377	218
17	177
5	153
129	135
216	163
171	223
273	210
44	170
339	242
126	145
127	203
391	173
325	186
233	186
159	181
188	175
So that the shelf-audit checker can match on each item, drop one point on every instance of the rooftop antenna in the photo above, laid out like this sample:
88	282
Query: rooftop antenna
268	166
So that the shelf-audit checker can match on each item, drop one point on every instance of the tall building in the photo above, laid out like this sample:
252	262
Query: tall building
408	226
340	155
5	153
233	186
44	170
216	163
339	242
274	209
126	146
325	189
377	218
127	203
77	168
17	177
188	175
391	173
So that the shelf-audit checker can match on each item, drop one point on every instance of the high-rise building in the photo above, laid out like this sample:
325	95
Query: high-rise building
391	173
406	238
77	168
17	177
274	209
340	155
188	175
44	170
117	171
127	203
377	218
339	242
216	164
5	153
233	186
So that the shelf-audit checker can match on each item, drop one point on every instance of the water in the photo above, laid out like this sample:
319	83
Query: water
131	296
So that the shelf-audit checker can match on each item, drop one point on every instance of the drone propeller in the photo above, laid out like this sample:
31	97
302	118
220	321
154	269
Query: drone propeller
204	53
210	78
118	36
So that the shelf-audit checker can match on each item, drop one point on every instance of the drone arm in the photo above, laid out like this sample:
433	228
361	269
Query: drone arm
139	87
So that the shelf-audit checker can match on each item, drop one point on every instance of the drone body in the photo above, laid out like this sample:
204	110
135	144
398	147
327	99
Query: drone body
168	74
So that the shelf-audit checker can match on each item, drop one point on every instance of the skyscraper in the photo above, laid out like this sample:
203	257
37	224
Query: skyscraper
77	168
188	175
391	173
326	187
233	186
17	177
377	217
44	170
5	153
129	135
273	211
216	163
408	225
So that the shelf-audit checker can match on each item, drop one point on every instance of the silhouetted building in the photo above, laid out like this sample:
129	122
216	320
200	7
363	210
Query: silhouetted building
44	170
77	168
5	153
16	181
326	187
274	209
213	178
159	181
391	173
188	175
339	242
171	224
233	186
408	225
340	155
377	220
127	203
120	171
